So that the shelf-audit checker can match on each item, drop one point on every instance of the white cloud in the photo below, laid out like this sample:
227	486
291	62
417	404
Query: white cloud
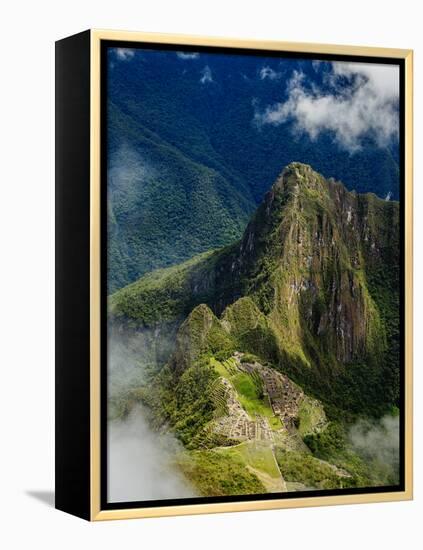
363	101
384	79
267	72
206	75
188	55
124	54
141	462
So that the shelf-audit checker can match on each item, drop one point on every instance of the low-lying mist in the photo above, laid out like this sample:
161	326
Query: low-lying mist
134	355
378	444
141	461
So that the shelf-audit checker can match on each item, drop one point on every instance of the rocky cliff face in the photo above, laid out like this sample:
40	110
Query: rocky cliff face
306	254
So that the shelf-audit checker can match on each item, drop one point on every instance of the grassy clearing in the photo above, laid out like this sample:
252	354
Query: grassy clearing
249	390
275	423
258	456
252	399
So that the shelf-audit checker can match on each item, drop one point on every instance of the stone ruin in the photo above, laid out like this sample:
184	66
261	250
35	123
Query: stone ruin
237	424
284	396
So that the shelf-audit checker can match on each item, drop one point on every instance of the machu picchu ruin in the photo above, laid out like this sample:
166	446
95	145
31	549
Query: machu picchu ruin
279	406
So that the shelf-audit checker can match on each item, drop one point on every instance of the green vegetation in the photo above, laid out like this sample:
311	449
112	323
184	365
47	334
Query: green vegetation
162	295
246	468
185	403
251	397
310	415
256	455
249	327
201	334
333	445
165	207
303	468
258	458
227	368
328	443
216	473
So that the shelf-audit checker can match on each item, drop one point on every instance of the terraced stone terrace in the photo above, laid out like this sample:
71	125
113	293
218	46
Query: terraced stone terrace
258	403
236	423
284	396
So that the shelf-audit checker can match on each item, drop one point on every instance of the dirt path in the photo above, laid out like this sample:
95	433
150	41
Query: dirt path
272	484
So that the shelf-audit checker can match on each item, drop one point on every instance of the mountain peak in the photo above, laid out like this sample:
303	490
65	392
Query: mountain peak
299	193
296	177
300	168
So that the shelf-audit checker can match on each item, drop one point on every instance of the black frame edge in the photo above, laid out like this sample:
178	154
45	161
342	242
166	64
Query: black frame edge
72	207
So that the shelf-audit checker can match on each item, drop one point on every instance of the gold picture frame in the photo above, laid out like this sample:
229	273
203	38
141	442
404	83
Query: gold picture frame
91	508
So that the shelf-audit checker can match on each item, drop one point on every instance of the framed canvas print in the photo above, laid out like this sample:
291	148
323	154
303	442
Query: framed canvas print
234	281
